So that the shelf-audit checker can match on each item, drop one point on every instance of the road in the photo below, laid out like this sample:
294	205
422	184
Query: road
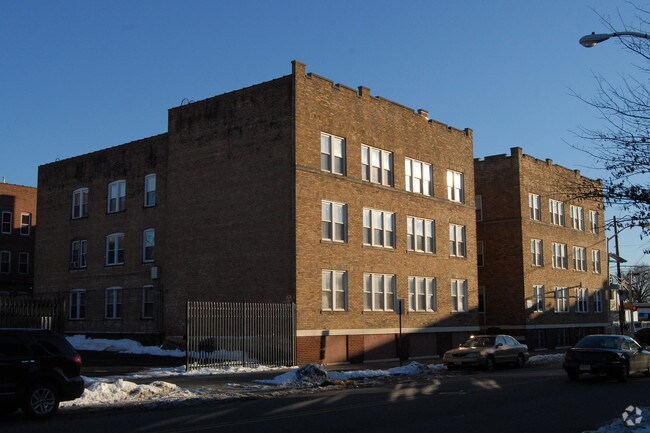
530	399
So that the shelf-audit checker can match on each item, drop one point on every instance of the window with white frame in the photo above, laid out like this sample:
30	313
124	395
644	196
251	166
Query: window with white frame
459	295
150	190
77	302
582	300
561	300
537	251
378	228
457	241
577	217
560	259
334	221
116	196
115	249
455	186
148	244
148	302
5	262
7	222
376	165
595	261
418	176
80	203
378	292
332	154
23	263
422	294
334	290
535	206
593	222
479	207
598	301
556	209
480	255
420	235
580	259
539	298
114	303
78	254
25	224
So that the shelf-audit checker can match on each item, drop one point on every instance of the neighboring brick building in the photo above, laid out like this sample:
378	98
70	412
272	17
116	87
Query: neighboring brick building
296	189
17	230
543	267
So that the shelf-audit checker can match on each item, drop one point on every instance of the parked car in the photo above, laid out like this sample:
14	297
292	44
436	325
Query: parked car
487	351
643	336
606	355
38	369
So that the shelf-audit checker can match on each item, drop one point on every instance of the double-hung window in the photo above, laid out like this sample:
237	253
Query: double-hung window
556	209
148	302
561	300
455	186
332	154
23	263
418	176
378	292
560	259
539	298
334	290
582	300
459	295
535	206
593	222
7	222
80	203
376	165
420	235
480	254
5	262
113	303
537	251
334	221
25	224
422	294
115	249
77	301
595	261
117	196
78	254
478	200
150	190
580	259
148	243
577	218
378	228
457	241
598	301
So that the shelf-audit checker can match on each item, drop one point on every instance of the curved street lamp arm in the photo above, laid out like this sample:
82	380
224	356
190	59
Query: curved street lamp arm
591	40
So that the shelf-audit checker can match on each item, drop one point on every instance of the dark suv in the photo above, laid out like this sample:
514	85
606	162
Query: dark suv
38	369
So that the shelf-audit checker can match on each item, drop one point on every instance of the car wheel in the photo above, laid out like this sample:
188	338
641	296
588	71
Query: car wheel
490	363
623	374
521	360
573	375
41	401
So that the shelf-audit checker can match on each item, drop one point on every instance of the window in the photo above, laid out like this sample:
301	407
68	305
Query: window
117	196
378	228
7	222
560	260
557	212
148	243
455	186
457	240
25	224
480	256
23	263
580	259
481	299
148	302
334	221
537	251
540	339
5	262
114	303
577	217
595	261
378	292
335	290
150	190
535	206
422	294
561	300
598	301
332	154
80	203
115	249
459	295
78	254
77	310
582	299
420	235
562	338
539	298
376	165
479	207
418	177
593	222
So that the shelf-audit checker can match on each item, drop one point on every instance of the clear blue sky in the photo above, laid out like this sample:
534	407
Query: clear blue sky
79	76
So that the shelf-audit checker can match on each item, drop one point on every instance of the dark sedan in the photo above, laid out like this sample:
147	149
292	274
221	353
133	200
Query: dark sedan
643	336
607	355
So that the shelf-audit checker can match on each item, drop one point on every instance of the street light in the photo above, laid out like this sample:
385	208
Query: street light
591	40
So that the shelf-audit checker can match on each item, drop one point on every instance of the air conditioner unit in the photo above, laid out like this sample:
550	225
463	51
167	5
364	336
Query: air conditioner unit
154	273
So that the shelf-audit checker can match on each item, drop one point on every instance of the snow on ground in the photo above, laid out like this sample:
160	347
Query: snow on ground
632	422
80	342
546	359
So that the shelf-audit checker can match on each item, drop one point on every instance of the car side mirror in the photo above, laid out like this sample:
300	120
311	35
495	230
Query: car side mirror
498	345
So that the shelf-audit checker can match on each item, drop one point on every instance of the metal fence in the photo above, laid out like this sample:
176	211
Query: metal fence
26	312
221	334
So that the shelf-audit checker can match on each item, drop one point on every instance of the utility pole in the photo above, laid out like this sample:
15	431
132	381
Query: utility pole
621	311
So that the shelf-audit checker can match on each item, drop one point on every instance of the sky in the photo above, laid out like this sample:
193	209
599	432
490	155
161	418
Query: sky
82	75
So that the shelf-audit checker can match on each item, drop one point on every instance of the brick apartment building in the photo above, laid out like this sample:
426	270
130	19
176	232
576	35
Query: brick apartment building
293	190
542	251
17	230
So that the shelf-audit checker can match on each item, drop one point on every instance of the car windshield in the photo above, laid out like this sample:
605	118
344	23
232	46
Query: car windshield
475	342
599	342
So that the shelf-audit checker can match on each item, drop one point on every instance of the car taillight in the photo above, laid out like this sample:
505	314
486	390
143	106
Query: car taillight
77	360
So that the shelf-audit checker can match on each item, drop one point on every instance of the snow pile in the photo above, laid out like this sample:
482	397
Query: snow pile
204	371
80	342
620	426
546	359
